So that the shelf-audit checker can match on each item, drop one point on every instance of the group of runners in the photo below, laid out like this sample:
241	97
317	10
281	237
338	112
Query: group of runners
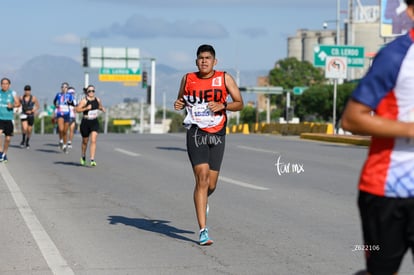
66	107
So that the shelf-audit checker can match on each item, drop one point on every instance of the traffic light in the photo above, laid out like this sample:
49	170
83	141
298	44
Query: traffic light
289	113
144	79
85	57
149	94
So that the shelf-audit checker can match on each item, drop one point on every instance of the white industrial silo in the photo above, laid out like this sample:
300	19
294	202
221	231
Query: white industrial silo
295	47
310	41
328	38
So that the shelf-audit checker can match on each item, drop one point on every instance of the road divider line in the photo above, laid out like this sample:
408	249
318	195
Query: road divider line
132	154
243	184
257	149
50	252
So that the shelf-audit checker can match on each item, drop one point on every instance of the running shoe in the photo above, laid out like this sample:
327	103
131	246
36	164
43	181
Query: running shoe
204	239
93	163
4	158
27	146
61	145
22	144
83	161
70	145
1	157
65	149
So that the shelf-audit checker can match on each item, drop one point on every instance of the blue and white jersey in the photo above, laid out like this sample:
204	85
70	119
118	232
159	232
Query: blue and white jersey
62	101
388	88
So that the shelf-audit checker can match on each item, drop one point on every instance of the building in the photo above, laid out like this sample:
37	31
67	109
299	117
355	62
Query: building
362	28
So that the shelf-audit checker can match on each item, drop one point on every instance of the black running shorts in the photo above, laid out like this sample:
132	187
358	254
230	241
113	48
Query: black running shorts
203	147
7	127
388	231
88	126
29	119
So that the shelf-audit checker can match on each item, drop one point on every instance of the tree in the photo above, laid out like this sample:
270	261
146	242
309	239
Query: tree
316	103
48	125
176	120
290	72
177	123
248	114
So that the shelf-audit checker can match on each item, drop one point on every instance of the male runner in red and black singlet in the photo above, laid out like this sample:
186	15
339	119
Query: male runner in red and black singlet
204	96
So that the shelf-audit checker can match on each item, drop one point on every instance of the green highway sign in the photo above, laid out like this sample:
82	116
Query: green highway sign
119	71
50	110
354	54
299	90
120	74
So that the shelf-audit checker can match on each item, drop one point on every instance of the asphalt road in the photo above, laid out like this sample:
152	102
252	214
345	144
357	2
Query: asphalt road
282	206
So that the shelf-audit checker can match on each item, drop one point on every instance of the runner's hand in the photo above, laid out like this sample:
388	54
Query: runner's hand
179	104
216	106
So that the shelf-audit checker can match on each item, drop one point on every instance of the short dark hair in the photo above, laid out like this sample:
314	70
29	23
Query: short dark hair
206	48
5	79
409	2
27	88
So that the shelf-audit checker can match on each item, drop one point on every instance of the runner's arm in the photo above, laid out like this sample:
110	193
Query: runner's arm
359	119
81	107
16	101
36	105
237	100
101	107
179	104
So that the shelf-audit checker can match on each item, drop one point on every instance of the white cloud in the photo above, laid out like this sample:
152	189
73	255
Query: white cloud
178	4
192	3
138	26
181	58
68	39
254	32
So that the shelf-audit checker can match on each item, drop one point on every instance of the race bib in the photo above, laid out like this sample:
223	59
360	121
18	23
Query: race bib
202	114
64	108
92	114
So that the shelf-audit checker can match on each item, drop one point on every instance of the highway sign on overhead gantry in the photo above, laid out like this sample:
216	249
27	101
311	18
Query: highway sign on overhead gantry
120	74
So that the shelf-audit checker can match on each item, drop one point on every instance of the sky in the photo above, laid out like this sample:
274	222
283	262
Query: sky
247	34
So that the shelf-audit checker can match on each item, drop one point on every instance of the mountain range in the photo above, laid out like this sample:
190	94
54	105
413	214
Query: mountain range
46	73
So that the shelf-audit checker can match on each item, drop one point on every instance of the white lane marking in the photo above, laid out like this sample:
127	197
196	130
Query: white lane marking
257	149
127	152
243	184
54	259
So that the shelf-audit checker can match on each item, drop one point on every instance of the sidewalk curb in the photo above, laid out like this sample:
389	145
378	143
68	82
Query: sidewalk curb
348	139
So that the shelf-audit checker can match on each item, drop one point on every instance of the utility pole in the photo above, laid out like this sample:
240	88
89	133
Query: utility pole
152	112
85	60
338	18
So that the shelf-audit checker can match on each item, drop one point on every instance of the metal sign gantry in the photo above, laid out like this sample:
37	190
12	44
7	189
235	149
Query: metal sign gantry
273	90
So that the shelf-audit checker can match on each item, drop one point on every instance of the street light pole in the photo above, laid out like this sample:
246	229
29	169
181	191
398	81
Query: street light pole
338	14
338	36
152	111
